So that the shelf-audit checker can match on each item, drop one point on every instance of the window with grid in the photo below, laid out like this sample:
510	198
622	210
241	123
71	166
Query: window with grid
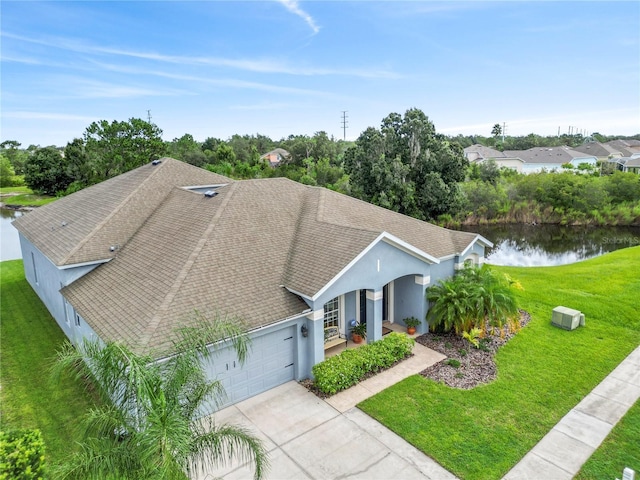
332	313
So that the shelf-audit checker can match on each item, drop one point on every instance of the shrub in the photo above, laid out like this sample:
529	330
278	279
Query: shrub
21	455
452	362
349	367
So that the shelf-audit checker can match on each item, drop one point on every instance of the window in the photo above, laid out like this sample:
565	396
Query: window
35	271
77	320
332	313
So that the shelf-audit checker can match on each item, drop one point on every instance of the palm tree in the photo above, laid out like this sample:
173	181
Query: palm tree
151	423
473	298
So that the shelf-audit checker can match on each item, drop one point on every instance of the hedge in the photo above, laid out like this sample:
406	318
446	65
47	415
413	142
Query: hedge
349	367
21	455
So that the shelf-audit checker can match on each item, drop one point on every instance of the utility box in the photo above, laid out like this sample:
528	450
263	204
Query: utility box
567	318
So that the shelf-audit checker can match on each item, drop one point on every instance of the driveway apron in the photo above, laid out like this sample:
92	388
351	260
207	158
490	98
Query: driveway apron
309	439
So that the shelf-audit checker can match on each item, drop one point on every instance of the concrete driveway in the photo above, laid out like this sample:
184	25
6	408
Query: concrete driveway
309	439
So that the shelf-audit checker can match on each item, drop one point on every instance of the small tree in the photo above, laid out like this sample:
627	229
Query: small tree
149	425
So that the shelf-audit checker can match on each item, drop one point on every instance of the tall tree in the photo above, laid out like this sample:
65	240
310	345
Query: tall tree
496	131
46	171
118	147
406	166
149	426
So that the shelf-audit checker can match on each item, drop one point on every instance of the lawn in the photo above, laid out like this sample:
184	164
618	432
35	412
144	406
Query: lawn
23	196
29	337
620	449
542	373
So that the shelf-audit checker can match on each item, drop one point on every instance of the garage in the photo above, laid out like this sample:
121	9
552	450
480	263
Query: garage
270	363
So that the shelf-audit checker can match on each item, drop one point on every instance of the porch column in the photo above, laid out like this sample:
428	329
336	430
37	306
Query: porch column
374	315
316	338
424	281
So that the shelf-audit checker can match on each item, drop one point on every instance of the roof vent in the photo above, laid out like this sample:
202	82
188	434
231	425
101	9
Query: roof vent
156	162
210	193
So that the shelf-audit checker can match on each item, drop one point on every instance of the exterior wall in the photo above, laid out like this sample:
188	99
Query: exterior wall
538	167
510	163
47	279
590	160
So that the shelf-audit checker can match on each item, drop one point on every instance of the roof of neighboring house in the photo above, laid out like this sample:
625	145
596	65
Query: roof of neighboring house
626	147
548	155
243	251
484	152
598	149
280	152
632	162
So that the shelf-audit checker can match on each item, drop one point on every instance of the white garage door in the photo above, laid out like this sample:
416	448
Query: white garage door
270	363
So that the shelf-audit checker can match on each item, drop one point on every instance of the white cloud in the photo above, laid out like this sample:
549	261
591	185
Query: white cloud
293	7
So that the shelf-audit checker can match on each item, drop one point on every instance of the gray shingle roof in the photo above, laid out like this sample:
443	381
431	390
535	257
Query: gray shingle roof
550	155
234	252
82	227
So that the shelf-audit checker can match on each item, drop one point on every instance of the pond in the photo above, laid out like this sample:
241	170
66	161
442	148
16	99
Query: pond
546	245
9	241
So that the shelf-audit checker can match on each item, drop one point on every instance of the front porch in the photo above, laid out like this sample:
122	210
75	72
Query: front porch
387	327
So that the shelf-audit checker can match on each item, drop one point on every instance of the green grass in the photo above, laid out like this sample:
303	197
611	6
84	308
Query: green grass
25	197
542	373
620	449
29	337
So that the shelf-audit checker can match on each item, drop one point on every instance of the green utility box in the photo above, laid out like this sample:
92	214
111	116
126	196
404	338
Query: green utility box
567	318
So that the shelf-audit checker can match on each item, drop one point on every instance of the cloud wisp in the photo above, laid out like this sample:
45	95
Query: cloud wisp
294	7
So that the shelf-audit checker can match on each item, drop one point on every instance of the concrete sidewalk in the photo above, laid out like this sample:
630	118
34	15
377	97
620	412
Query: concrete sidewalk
562	452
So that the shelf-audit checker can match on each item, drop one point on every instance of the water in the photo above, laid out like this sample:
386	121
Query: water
9	241
547	245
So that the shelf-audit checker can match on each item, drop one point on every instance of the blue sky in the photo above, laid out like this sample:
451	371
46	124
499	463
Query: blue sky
214	68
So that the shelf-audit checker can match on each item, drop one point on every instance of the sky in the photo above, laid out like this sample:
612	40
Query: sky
280	68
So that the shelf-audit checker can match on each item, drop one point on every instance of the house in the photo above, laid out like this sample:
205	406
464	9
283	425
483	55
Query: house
130	259
532	160
627	164
602	151
539	159
275	157
479	153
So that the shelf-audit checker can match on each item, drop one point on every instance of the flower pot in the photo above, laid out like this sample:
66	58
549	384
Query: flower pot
411	330
356	338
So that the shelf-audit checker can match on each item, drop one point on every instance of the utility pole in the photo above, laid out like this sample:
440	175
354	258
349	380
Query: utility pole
504	128
344	124
148	116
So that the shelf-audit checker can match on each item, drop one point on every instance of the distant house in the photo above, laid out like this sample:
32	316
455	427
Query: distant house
538	159
479	153
130	259
532	160
627	164
602	151
274	157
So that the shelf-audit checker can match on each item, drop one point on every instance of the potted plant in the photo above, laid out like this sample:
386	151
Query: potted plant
411	323
359	332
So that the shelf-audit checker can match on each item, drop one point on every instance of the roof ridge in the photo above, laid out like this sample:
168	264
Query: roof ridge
182	275
108	217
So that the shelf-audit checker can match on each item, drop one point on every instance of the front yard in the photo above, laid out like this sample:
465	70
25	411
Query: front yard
542	372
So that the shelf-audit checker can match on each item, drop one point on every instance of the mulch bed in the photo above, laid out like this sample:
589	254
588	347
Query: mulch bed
476	365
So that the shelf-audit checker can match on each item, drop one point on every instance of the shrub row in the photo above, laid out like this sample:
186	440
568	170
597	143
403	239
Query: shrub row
349	367
21	455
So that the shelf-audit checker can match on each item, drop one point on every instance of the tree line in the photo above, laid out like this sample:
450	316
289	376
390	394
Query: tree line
403	165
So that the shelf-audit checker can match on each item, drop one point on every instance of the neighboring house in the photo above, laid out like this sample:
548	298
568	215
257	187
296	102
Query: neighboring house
601	151
627	147
627	164
540	159
479	153
532	160
275	157
132	258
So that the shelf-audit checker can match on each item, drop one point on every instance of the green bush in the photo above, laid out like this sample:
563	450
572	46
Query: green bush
21	455
349	367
